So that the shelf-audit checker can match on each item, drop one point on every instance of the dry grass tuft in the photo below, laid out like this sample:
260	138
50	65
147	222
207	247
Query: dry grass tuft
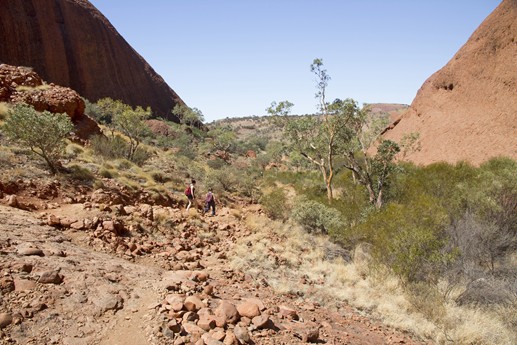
284	256
4	109
24	88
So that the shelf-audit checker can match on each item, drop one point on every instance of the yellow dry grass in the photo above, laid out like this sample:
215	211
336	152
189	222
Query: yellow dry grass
284	256
4	109
23	88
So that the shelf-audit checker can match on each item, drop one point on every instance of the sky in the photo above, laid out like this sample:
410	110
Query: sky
232	58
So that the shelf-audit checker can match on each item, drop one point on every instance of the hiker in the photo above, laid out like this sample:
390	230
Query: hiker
190	193
209	202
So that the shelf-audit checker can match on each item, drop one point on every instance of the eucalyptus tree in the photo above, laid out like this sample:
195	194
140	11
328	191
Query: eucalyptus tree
340	129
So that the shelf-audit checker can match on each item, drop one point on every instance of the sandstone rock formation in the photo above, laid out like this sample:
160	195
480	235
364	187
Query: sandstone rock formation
70	43
467	110
23	85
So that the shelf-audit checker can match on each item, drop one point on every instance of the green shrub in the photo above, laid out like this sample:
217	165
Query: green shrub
185	146
409	239
275	204
159	177
43	133
109	148
82	174
73	150
107	173
120	164
316	217
247	184
216	163
141	155
225	179
451	186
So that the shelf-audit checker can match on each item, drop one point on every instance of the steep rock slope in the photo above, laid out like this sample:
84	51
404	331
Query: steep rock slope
468	109
70	43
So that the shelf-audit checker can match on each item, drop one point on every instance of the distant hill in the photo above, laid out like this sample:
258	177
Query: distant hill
70	43
249	126
468	109
390	110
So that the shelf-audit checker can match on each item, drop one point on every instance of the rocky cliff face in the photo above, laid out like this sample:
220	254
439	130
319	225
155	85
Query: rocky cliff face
468	109
70	43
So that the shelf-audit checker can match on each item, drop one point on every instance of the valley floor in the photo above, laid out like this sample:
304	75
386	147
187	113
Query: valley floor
72	285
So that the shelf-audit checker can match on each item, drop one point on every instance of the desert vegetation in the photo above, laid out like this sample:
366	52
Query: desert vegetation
428	249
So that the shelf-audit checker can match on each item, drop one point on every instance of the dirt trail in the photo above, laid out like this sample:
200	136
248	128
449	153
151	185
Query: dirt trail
106	300
130	326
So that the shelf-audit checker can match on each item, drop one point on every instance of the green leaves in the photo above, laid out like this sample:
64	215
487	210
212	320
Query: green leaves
43	133
188	116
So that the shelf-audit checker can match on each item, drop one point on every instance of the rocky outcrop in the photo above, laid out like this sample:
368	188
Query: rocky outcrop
466	110
23	85
70	43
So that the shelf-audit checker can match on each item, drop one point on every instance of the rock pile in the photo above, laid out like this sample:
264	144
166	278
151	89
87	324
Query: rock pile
23	85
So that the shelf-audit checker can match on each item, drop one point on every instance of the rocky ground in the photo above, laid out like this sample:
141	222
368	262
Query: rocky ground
85	269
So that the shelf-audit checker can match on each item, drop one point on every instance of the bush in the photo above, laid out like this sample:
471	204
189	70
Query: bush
109	148
159	177
141	155
275	204
451	186
216	163
43	133
73	150
224	179
107	173
82	174
409	239
316	217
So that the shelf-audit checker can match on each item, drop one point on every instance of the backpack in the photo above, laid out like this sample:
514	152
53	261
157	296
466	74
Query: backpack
188	192
209	197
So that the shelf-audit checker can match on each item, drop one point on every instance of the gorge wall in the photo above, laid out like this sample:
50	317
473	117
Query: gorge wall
70	43
468	109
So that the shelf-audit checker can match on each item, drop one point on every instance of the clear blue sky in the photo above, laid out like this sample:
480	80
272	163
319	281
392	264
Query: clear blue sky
234	57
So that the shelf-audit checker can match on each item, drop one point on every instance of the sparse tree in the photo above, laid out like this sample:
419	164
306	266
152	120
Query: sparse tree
43	133
341	129
107	109
188	116
131	122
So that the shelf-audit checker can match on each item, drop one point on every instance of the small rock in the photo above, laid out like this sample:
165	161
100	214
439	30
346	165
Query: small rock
174	326
228	311
193	303
242	334
206	322
288	313
260	321
193	329
53	220
12	201
30	251
209	340
6	285
248	309
50	277
24	285
5	320
230	339
208	290
190	316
